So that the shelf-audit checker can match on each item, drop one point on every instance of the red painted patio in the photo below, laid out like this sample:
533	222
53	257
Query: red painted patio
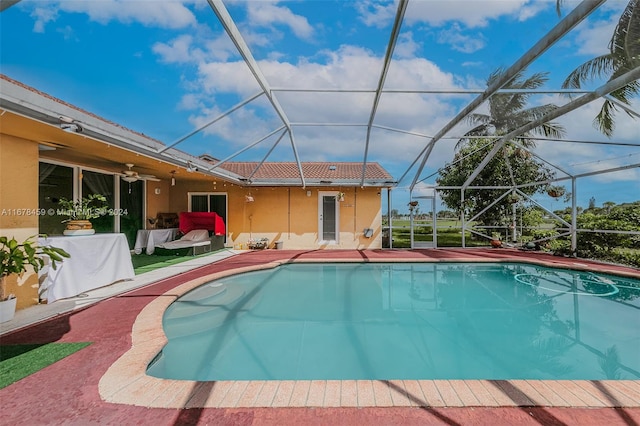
67	391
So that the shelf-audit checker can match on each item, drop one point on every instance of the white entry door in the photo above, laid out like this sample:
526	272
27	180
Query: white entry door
328	217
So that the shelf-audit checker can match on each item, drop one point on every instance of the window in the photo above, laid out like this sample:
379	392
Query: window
209	202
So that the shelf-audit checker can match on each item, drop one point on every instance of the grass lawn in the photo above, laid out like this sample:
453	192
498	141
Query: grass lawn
449	234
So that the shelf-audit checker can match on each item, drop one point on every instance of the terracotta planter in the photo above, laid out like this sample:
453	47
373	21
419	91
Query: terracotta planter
496	243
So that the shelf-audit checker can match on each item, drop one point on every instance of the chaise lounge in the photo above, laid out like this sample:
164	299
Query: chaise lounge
198	240
203	232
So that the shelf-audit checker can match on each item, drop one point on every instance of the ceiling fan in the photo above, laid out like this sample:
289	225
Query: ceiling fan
133	176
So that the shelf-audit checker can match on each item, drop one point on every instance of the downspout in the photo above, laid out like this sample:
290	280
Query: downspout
355	213
289	213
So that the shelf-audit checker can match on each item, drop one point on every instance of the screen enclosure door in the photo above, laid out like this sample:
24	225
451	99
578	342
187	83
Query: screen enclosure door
328	217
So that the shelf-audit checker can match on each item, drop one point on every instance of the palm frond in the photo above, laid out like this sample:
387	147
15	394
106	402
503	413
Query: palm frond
604	121
477	119
625	93
479	130
559	7
600	67
625	42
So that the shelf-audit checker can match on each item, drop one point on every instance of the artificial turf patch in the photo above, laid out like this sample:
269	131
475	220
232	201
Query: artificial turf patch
145	263
19	361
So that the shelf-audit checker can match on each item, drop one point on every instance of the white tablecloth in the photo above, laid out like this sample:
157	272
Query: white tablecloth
148	239
96	261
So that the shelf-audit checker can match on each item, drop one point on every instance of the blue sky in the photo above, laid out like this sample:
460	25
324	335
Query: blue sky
164	68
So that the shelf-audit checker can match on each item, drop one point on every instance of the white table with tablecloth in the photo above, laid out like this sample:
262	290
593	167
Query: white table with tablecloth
148	239
96	261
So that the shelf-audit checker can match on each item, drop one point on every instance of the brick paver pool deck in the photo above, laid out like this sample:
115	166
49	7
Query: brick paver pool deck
106	383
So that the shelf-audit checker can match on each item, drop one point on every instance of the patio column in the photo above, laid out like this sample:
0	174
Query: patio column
464	226
574	220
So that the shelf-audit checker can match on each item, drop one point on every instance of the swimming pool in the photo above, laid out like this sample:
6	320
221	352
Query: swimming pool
404	321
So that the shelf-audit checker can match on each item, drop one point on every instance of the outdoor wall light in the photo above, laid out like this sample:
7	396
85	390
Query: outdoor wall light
173	178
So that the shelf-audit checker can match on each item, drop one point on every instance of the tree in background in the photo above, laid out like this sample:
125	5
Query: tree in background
507	112
513	165
525	169
623	56
623	248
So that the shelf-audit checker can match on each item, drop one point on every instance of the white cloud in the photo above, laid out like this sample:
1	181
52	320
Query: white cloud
43	15
162	14
348	68
262	13
461	42
376	14
531	9
190	101
592	38
589	157
439	12
178	50
406	47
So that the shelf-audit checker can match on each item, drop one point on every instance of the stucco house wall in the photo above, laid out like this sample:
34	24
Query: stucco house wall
19	206
290	215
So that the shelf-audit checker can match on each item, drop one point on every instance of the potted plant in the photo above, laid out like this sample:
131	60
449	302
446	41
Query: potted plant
80	213
555	191
15	258
496	242
513	198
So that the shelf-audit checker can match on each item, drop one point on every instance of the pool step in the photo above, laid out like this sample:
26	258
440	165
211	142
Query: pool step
191	317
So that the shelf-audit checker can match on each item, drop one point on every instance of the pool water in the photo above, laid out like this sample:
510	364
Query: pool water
377	321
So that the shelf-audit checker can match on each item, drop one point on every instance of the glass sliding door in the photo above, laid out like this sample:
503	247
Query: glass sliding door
100	183
218	204
55	182
131	209
199	203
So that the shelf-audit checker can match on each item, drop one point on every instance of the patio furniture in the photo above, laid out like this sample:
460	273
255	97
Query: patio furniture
147	239
210	221
96	261
196	240
166	220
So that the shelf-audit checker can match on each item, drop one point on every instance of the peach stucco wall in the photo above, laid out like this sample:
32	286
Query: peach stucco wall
157	203
18	205
289	215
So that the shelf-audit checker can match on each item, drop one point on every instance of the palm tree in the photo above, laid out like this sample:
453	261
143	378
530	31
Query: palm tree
623	56
507	111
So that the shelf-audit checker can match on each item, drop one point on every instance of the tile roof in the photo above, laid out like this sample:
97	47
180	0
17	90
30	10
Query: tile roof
311	170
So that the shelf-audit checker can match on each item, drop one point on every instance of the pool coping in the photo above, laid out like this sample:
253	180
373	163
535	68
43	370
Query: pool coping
126	381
